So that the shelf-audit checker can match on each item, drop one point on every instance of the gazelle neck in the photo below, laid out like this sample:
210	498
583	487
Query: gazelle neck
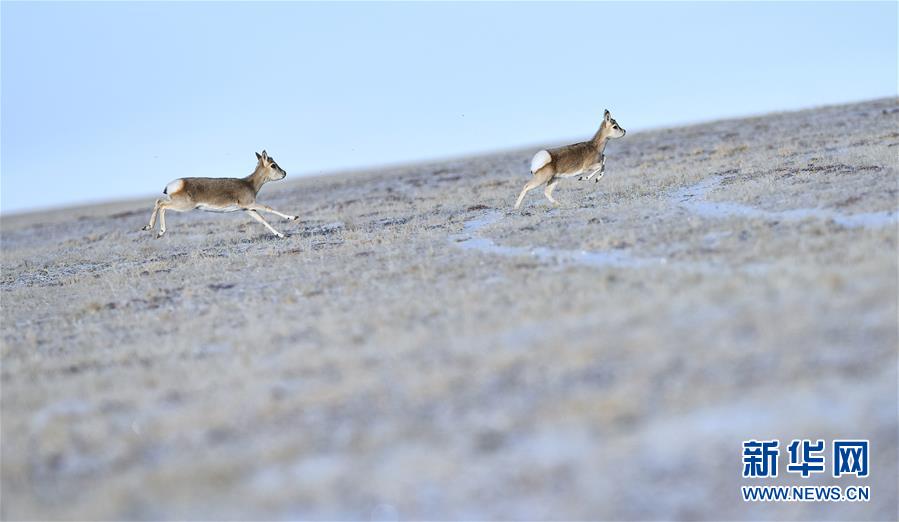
600	139
256	179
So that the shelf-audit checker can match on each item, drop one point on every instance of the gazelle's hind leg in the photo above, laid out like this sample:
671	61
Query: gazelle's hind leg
255	215
153	215
530	185
178	205
540	177
548	191
161	222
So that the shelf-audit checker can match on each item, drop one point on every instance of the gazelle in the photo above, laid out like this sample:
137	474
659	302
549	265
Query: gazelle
549	166
221	195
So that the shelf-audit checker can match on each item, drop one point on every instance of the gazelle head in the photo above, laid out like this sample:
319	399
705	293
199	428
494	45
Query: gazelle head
611	127
270	169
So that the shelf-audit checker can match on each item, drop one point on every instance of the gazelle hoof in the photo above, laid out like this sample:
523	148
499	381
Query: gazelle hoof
146	227
159	235
293	218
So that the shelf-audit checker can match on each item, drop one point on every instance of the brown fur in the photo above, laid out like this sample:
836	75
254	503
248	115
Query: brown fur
217	191
577	157
221	195
571	160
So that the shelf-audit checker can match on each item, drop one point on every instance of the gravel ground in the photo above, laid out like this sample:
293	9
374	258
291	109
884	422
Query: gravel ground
417	349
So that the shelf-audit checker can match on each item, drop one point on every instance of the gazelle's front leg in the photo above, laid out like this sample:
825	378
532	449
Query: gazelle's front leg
600	169
589	176
258	206
255	215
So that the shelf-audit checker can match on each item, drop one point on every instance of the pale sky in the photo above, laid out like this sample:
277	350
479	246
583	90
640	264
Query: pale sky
108	100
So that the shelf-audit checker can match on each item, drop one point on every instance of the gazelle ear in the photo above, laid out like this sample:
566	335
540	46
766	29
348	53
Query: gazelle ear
258	156
264	154
608	115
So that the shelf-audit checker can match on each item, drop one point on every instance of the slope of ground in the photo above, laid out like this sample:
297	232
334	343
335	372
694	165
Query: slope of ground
416	349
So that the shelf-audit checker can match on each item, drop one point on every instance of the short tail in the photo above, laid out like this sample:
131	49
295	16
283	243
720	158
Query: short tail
540	160
173	187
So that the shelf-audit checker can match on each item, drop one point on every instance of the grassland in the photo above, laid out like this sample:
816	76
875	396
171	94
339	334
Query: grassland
416	349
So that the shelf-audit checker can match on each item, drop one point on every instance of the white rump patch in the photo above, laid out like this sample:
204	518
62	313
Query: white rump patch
174	186
540	160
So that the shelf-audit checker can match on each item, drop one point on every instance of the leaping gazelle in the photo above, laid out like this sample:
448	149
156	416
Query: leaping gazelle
221	195
549	166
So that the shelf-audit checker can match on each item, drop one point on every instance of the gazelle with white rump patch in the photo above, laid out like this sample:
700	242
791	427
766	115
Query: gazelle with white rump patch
221	195
550	165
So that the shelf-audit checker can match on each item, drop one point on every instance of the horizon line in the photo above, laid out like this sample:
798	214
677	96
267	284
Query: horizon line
348	171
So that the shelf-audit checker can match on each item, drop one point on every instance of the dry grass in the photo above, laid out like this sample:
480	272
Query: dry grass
369	366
